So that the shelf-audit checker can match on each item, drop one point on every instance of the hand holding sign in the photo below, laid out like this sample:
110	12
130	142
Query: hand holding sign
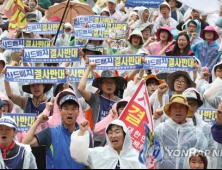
92	66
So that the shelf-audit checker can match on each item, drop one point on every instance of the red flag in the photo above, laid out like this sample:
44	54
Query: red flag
7	8
137	112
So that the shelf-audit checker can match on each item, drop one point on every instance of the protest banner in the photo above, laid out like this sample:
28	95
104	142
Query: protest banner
169	63
47	75
18	44
43	28
79	41
145	3
76	74
107	26
208	115
87	33
117	62
51	54
23	121
81	20
136	113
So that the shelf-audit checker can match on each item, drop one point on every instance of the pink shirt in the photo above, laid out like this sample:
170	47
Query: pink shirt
156	47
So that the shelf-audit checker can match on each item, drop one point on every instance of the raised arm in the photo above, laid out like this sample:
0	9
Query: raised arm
30	138
82	85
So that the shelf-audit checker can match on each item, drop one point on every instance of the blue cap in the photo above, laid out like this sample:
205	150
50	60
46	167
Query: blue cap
2	103
69	97
9	122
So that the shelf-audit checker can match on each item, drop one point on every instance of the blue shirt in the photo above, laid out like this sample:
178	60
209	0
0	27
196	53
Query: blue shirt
57	141
174	15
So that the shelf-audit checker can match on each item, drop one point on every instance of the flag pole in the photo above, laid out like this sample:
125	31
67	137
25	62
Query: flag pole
61	22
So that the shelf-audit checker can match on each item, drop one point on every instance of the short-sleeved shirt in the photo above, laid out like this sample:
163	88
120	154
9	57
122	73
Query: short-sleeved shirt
45	138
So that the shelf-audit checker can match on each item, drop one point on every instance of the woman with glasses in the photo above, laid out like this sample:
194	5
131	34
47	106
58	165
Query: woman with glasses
118	154
177	83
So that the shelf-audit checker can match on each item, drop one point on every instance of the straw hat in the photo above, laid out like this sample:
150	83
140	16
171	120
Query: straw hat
154	77
109	74
172	76
178	99
26	88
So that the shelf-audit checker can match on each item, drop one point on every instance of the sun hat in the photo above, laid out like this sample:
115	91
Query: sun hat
209	28
162	75
31	35
178	99
152	76
91	47
69	98
179	4
171	77
146	25
9	122
109	74
166	28
192	93
138	33
31	17
55	19
26	88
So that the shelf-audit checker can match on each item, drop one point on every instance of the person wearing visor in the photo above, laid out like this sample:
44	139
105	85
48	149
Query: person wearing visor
178	127
57	139
13	155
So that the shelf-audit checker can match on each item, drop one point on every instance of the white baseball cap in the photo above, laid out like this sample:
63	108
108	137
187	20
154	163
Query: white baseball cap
113	1
68	25
9	122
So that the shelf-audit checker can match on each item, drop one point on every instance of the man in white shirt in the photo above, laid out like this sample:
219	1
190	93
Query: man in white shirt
113	11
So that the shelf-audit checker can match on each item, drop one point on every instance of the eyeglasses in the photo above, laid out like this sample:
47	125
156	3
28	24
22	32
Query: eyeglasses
177	81
219	70
109	83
